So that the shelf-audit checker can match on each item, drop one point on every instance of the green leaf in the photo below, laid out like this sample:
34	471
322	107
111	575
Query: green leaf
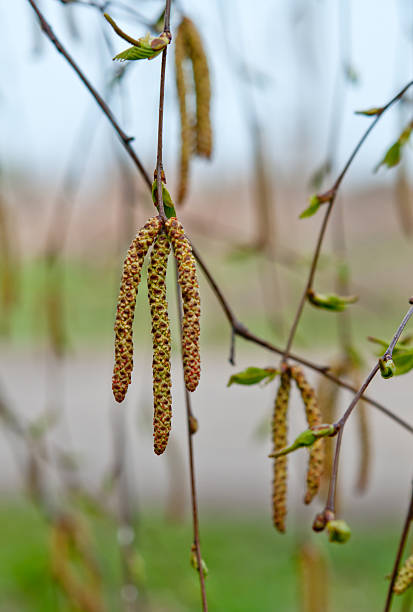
307	438
402	355
253	376
315	204
394	153
330	301
136	53
168	204
370	112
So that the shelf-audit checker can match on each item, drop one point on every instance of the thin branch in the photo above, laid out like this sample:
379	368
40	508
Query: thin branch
402	543
159	166
194	499
342	421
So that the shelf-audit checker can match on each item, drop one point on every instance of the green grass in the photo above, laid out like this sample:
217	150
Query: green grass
250	566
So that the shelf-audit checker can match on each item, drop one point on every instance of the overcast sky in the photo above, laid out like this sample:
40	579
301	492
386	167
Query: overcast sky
292	46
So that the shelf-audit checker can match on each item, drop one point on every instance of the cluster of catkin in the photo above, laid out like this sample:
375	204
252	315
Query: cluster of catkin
280	441
161	235
196	131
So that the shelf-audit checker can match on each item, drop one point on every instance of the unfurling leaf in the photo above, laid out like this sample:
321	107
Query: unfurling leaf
307	438
370	112
136	53
338	531
402	355
387	367
168	204
315	204
330	301
394	153
146	47
253	376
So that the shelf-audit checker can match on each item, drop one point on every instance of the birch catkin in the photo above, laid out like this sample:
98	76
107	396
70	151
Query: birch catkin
313	414
161	337
131	277
405	577
191	302
202	89
186	129
279	438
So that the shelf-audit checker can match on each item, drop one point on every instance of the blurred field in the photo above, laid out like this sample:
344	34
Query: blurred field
250	566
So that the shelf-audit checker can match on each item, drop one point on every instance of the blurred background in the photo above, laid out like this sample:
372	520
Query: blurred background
78	479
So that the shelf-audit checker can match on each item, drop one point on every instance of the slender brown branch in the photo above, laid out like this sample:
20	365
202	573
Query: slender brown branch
194	498
159	167
402	543
342	421
239	328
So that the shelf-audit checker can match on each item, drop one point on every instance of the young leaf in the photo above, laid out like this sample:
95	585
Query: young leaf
315	204
402	355
136	53
253	376
330	301
394	153
370	112
168	204
307	438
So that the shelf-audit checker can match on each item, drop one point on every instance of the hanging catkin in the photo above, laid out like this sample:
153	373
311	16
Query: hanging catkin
313	414
404	577
279	438
196	130
190	300
186	128
131	276
202	89
161	338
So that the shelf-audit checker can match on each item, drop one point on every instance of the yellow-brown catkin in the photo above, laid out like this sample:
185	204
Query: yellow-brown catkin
186	128
202	83
190	300
125	313
279	438
405	577
317	451
161	338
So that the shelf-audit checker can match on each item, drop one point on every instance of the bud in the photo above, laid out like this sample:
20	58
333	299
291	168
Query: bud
161	339
279	438
387	367
125	313
190	300
338	531
193	424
